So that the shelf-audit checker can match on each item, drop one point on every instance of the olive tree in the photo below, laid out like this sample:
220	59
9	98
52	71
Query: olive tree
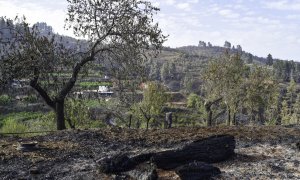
120	32
223	80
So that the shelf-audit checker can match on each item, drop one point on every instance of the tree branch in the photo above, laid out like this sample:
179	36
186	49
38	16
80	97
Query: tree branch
34	84
210	103
63	93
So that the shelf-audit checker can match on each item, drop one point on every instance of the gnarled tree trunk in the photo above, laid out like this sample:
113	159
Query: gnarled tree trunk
228	116
60	115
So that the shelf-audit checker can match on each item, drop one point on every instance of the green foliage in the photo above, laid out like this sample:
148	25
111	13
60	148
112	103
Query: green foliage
29	54
31	99
5	99
261	90
165	72
286	70
28	122
269	60
96	124
296	110
18	122
291	91
91	103
155	98
271	122
224	78
285	114
250	59
77	112
21	116
188	83
46	122
11	125
194	101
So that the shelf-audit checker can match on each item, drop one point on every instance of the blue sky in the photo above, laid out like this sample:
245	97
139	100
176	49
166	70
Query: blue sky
260	27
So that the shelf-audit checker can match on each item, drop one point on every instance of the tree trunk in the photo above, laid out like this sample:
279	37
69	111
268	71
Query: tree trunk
147	125
60	115
228	116
252	120
168	120
261	112
147	117
234	119
209	118
130	120
209	111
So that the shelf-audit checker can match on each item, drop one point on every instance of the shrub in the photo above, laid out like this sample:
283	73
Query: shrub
193	101
13	126
77	113
31	99
5	99
43	123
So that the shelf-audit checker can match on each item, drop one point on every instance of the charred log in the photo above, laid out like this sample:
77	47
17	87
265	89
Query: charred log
209	150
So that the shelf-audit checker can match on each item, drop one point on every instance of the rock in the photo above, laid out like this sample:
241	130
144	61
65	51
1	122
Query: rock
197	171
211	150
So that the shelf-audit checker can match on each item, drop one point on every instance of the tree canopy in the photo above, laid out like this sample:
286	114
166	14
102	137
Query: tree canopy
119	32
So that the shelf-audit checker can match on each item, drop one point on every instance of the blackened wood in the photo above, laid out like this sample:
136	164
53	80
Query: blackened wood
116	164
210	150
197	171
122	163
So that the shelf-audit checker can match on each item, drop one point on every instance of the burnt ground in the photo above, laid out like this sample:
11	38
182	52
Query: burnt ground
261	152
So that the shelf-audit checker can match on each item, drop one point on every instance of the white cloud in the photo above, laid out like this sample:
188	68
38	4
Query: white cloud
283	5
193	1
170	2
184	6
228	13
293	16
156	4
36	13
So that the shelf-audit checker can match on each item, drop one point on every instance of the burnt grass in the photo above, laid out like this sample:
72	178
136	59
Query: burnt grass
74	154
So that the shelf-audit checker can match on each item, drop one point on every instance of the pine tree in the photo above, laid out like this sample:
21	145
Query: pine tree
269	60
250	59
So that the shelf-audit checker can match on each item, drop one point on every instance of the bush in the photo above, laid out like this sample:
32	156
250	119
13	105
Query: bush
5	99
31	99
193	101
43	123
77	113
13	126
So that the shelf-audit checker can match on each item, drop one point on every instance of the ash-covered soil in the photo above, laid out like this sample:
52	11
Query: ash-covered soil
261	152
